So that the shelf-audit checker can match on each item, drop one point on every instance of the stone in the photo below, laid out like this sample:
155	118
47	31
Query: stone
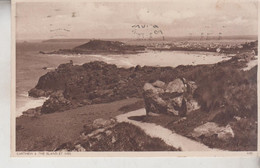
177	101
159	84
180	120
102	123
33	112
207	129
237	118
153	114
150	88
98	137
191	86
96	131
37	93
108	132
177	106
192	105
113	139
56	102
171	110
226	133
176	86
88	129
155	104
176	98
210	128
79	148
84	137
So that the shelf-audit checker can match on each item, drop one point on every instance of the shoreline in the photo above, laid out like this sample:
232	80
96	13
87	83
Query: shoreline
40	100
124	63
29	103
94	84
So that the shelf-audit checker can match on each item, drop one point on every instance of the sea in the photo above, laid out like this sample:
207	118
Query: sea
30	64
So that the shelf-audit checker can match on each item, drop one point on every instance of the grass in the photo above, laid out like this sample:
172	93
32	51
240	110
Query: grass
131	107
48	131
245	130
124	137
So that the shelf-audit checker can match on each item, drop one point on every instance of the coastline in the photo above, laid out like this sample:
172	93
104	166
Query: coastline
27	102
125	61
71	87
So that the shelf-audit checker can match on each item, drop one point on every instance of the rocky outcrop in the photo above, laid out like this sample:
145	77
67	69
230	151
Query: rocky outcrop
56	102
33	112
102	47
39	93
98	128
211	129
114	136
102	123
176	86
175	98
98	82
92	83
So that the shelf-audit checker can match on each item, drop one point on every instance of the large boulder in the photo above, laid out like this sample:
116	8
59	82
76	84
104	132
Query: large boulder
56	102
174	98
191	86
210	128
102	123
176	86
150	89
154	103
159	84
192	105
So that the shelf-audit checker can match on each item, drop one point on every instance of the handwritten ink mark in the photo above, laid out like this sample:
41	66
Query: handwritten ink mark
59	29
73	14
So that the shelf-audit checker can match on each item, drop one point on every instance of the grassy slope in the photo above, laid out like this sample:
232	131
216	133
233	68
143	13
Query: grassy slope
224	93
123	137
46	132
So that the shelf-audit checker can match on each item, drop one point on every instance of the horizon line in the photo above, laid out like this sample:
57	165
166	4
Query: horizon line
130	38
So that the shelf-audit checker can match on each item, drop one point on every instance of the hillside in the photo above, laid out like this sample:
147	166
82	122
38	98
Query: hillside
102	47
226	93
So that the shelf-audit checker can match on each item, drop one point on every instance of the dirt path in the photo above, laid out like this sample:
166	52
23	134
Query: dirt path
166	135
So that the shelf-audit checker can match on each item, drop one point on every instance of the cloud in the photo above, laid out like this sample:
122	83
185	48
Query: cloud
166	17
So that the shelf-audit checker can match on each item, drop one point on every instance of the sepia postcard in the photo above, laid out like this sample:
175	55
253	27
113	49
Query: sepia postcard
134	78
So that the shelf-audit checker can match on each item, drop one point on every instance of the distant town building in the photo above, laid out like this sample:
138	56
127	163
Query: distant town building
218	50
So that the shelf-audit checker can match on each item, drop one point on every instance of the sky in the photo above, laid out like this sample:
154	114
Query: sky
48	20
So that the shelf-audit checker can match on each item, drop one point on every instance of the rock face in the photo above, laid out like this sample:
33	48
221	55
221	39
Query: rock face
56	102
115	137
116	46
33	112
70	86
210	128
174	98
39	93
98	82
176	86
